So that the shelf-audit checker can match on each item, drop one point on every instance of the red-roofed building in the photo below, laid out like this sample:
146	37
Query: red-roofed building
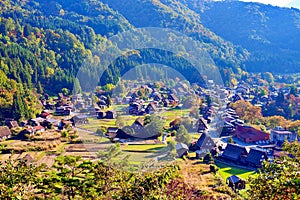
250	134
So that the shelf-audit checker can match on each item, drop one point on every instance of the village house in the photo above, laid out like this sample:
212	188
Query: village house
173	98
36	121
101	115
118	135
32	130
65	123
50	123
157	97
234	153
45	114
63	111
237	97
28	159
204	145
11	123
111	114
4	133
92	110
182	150
80	119
256	157
249	134
38	129
279	135
227	128
166	102
151	108
134	108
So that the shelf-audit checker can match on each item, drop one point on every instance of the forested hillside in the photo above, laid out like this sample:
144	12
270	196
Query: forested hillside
44	43
270	34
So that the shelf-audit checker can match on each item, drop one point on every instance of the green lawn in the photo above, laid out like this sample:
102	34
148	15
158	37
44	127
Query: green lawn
227	170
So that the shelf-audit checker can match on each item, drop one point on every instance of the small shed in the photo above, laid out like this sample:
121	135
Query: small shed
4	133
182	150
236	183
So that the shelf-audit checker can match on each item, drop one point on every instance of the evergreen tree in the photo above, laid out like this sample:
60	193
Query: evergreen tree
39	88
19	107
77	87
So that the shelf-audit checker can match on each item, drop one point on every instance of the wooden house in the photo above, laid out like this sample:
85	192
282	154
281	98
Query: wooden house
111	114
173	98
237	97
234	153
138	124
182	150
202	125
28	159
256	157
151	108
101	115
204	145
36	121
11	123
116	134
80	119
279	135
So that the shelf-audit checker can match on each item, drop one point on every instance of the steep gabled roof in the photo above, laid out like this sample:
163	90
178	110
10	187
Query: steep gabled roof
205	141
233	152
203	122
256	156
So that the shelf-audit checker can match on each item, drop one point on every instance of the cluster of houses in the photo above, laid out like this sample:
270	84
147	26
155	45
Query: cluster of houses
126	134
252	146
153	102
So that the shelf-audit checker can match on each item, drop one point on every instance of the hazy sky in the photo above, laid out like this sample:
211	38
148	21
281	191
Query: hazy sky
274	2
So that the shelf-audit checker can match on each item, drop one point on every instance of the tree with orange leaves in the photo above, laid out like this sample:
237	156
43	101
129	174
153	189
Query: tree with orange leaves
246	111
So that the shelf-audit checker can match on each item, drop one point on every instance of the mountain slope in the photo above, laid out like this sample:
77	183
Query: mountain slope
175	15
270	34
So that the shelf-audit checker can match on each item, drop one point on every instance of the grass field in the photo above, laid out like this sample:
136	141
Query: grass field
94	124
144	147
227	170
